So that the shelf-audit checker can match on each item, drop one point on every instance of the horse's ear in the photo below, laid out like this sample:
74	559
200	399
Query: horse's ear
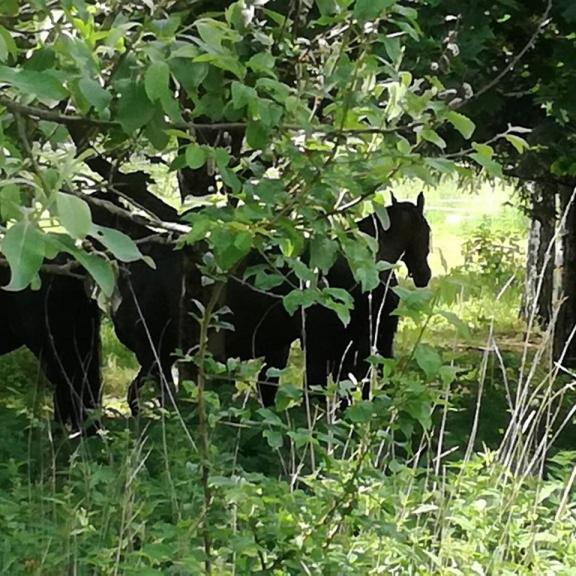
394	201
420	202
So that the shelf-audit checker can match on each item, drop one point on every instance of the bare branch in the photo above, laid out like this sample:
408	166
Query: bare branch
66	269
72	119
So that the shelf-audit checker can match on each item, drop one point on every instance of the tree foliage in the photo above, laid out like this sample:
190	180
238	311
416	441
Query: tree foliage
326	109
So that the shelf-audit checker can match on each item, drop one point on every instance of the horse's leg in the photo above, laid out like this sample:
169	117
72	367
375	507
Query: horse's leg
70	352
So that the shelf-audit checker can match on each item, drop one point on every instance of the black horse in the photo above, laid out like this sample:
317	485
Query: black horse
264	328
60	324
148	320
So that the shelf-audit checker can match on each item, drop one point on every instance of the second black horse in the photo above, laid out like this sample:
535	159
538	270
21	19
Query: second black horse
148	320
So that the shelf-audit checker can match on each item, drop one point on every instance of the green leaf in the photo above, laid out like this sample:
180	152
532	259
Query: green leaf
157	81
9	7
189	74
287	396
301	298
430	136
134	109
157	131
228	63
428	359
278	90
96	96
42	85
99	268
230	245
10	202
7	45
393	48
492	168
257	135
195	156
462	123
263	63
483	149
241	94
360	412
74	215
122	246
24	249
274	438
370	9
519	143
323	253
382	214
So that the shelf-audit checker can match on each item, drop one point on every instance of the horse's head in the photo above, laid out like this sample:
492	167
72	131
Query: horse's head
407	239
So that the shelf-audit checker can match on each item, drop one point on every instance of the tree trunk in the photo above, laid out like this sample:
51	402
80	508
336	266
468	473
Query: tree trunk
539	285
564	340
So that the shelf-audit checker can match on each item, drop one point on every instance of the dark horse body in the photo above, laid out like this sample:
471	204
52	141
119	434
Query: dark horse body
60	324
148	319
264	328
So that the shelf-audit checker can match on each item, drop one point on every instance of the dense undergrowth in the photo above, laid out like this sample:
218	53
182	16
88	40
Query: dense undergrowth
461	464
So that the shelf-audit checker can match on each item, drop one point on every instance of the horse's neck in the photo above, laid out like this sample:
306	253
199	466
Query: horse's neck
389	248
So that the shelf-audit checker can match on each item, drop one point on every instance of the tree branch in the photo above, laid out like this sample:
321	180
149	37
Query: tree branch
71	119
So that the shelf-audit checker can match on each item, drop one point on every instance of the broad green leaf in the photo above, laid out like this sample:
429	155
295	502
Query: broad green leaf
462	123
134	109
24	249
327	7
9	7
188	74
98	267
74	215
428	359
228	63
519	143
360	412
268	111
230	245
157	81
257	135
491	167
339	301
287	396
274	438
323	253
483	149
96	96
242	95
195	156
10	202
157	131
369	9
393	48
301	298
263	63
441	164
278	90
7	45
122	246
431	136
42	85
382	214
215	33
